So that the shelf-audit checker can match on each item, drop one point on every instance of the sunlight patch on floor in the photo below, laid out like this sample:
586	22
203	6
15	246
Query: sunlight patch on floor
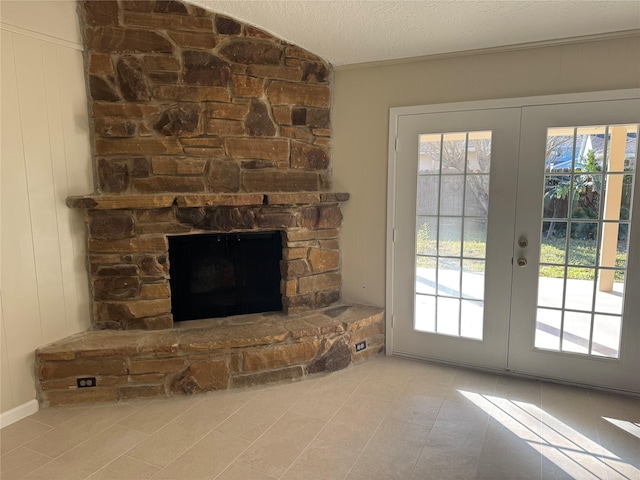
573	452
629	427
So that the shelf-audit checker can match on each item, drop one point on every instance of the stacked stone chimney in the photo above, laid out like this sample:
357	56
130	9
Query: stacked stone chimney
184	100
202	124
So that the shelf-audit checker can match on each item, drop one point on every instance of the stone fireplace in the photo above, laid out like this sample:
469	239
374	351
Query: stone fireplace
203	125
129	248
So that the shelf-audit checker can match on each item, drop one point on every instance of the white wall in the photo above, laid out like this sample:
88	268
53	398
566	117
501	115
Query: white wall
45	157
363	96
54	18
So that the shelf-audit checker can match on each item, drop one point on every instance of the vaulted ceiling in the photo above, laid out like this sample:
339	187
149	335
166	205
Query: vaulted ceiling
346	32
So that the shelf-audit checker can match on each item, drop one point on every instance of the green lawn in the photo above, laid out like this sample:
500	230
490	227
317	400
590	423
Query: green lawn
582	255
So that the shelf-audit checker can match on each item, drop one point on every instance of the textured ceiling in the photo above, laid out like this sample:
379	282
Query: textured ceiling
356	31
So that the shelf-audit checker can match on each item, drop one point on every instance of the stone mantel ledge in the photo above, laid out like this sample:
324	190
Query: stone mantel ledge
121	202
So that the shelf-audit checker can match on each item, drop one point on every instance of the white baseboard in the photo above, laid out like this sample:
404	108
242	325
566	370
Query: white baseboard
18	413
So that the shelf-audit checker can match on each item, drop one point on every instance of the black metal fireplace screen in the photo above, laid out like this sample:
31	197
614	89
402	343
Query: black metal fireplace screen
218	275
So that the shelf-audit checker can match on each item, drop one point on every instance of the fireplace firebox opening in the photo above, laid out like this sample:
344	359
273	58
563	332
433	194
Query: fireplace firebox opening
219	275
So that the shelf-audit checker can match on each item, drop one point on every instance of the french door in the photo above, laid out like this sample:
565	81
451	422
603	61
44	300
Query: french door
511	241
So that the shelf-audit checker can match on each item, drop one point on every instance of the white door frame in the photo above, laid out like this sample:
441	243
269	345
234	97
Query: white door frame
396	112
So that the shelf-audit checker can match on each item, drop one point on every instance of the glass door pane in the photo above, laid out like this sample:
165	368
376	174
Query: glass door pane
586	213
574	307
451	232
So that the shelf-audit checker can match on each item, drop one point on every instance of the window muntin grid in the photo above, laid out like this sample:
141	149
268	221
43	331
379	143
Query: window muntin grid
585	223
451	232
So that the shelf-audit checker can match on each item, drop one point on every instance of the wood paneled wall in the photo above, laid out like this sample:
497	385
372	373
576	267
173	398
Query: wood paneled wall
45	157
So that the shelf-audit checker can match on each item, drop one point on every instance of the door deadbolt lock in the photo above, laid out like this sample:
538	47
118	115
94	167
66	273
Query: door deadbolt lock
523	243
522	262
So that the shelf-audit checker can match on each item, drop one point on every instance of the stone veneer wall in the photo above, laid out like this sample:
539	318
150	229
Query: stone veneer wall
185	100
197	120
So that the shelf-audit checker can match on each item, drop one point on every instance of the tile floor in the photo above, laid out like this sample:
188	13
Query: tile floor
388	418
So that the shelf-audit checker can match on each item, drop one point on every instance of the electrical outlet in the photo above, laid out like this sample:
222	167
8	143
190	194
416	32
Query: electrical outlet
361	346
86	382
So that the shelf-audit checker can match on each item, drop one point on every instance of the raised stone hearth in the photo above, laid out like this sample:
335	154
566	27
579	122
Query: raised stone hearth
204	355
